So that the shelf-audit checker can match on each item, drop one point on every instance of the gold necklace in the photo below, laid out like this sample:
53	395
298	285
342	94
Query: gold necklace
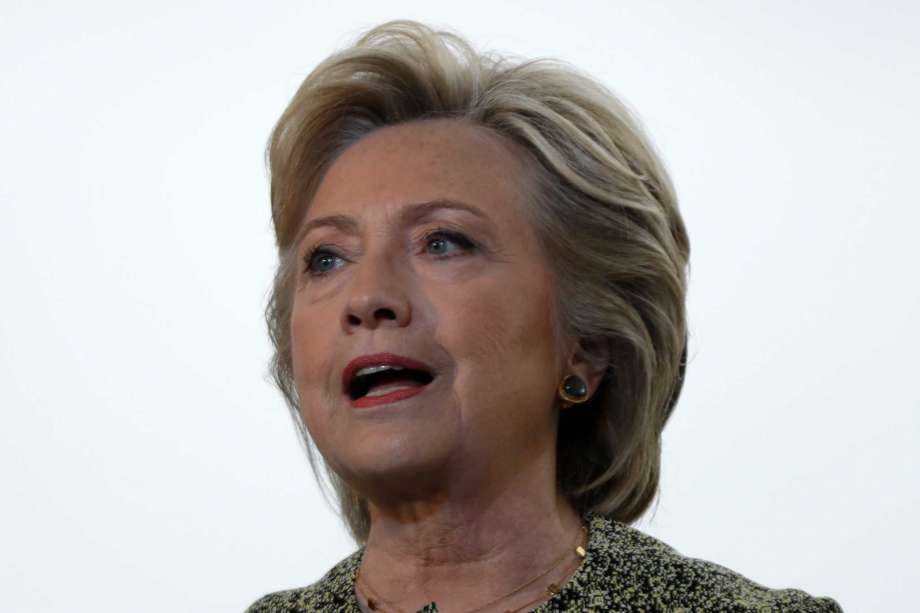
374	601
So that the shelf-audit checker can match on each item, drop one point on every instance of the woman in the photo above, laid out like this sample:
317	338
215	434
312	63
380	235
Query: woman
479	319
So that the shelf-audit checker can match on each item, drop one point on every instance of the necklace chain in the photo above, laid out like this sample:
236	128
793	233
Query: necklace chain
552	589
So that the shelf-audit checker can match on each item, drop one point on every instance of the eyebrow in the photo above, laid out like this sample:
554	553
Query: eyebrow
407	215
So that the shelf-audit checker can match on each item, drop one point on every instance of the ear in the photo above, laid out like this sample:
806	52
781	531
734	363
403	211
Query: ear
590	361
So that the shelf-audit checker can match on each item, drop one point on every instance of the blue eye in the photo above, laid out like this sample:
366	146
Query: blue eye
442	236
320	260
315	260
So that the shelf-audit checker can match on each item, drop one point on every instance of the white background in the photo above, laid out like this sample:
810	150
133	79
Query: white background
146	462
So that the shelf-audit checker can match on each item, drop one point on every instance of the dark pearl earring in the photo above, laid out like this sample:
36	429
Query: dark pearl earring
573	390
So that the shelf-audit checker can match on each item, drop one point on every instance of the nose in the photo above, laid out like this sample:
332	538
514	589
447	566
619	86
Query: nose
377	296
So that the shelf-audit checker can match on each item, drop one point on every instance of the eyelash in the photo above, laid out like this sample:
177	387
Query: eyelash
465	243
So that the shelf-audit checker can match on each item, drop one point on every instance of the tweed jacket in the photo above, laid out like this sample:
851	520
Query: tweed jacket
625	570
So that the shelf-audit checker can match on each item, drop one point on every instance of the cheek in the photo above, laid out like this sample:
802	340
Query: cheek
301	338
504	326
311	345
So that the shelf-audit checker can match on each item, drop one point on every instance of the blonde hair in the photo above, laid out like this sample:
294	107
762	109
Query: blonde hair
603	207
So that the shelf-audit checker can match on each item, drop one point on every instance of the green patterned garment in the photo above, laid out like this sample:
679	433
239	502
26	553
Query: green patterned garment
624	570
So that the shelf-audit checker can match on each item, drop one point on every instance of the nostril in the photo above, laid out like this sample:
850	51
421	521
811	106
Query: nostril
387	313
379	314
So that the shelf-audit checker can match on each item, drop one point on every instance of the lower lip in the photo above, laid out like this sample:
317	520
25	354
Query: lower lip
394	396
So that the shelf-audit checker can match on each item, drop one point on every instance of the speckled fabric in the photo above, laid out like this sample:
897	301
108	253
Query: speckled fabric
624	570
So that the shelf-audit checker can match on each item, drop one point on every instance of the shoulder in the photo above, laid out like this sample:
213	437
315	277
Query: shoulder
651	574
333	592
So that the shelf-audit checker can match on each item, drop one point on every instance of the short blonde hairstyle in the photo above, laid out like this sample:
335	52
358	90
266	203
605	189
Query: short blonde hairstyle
603	206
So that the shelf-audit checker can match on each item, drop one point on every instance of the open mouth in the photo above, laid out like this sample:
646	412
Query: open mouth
386	381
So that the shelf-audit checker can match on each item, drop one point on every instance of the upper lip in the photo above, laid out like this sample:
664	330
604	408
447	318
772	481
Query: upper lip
374	359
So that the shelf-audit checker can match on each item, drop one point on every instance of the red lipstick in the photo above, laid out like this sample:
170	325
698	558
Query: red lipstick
377	359
394	396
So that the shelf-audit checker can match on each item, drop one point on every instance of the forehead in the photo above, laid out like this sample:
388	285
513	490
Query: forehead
424	161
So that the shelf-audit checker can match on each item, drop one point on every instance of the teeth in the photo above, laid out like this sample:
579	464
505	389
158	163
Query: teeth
372	369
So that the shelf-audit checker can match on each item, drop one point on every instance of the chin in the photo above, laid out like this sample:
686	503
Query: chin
401	471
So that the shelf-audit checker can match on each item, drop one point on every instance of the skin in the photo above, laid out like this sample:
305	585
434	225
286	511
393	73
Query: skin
460	479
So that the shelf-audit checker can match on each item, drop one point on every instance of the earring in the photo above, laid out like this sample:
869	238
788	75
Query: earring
573	391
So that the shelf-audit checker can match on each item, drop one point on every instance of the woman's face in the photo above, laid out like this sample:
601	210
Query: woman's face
465	292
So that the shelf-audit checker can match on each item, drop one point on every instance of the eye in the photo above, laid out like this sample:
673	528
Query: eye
319	261
440	239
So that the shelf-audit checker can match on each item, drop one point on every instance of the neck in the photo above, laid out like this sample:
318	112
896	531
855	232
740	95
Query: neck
463	552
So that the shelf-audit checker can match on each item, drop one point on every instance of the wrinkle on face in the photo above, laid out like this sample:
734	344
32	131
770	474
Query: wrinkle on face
484	318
